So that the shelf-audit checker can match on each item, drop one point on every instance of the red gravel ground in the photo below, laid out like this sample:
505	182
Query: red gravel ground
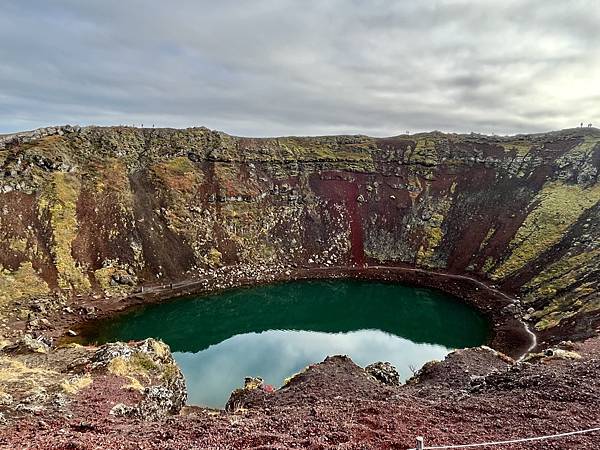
473	396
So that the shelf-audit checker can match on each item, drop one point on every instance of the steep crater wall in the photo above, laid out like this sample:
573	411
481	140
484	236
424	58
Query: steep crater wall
99	212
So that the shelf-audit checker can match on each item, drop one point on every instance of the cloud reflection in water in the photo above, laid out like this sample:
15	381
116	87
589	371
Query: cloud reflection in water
213	373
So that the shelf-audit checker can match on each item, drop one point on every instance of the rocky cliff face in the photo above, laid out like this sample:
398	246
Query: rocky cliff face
101	211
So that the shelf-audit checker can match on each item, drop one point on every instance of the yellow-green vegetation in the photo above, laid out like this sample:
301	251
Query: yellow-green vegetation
214	258
578	300
433	238
250	226
488	264
178	174
487	238
423	153
521	148
328	153
489	261
355	155
140	367
104	276
160	349
75	384
433	233
120	367
253	383
556	207
552	319
22	283
416	188
50	147
135	368
16	373
592	302
110	177
560	275
169	372
18	244
25	243
59	200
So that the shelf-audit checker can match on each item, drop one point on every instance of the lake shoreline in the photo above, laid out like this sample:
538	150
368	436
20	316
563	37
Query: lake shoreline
510	335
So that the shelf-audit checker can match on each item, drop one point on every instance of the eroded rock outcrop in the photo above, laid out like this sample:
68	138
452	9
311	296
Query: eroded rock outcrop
101	211
139	379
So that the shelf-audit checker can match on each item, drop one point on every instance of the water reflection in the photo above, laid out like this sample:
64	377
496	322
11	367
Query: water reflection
220	339
191	325
213	373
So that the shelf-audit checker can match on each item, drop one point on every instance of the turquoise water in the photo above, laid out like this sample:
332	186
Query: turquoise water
276	330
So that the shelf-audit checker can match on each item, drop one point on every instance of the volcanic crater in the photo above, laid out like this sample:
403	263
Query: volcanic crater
97	220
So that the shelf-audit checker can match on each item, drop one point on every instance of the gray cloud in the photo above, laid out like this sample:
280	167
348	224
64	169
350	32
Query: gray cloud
272	67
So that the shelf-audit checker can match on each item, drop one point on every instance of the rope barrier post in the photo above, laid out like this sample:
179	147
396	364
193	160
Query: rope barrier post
419	443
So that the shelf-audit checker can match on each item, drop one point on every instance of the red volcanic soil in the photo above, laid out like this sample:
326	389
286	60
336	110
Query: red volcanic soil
475	395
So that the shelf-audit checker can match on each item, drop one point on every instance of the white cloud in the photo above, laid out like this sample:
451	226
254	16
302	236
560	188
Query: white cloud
271	67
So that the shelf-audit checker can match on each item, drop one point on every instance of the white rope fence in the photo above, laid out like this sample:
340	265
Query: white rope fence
421	445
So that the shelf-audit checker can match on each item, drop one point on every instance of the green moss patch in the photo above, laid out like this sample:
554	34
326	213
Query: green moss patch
59	200
556	208
560	275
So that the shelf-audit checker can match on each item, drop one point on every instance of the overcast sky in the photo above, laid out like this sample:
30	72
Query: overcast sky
279	67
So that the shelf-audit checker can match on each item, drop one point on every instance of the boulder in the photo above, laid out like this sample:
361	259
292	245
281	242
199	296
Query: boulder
253	392
149	368
384	372
26	344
